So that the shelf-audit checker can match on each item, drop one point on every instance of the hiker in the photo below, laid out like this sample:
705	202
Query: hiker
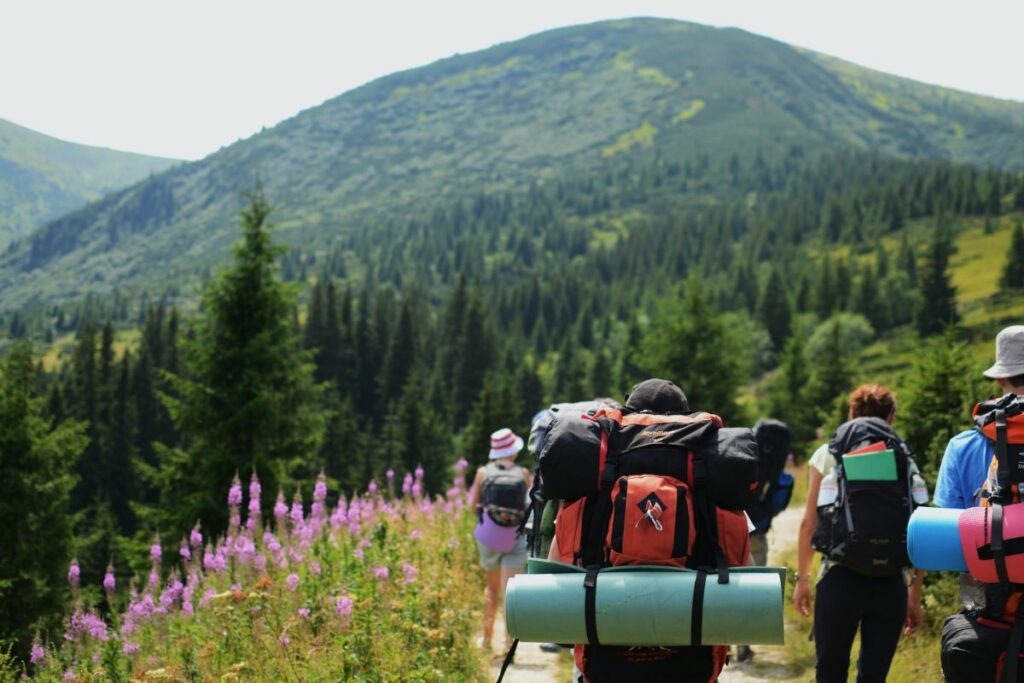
772	496
982	468
860	583
648	508
499	495
968	455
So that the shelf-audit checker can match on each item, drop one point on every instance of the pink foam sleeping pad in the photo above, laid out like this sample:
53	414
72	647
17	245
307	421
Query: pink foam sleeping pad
976	536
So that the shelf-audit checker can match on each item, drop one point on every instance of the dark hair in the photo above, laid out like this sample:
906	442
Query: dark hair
1017	381
872	400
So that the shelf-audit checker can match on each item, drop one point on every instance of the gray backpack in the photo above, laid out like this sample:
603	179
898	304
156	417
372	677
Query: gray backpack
503	496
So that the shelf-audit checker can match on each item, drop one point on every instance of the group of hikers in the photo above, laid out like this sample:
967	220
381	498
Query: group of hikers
653	482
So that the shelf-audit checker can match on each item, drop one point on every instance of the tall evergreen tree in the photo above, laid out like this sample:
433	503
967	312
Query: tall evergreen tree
248	401
1012	278
35	461
937	399
937	307
773	309
688	343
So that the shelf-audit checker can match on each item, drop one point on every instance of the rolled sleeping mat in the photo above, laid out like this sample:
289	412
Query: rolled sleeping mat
933	540
975	528
648	606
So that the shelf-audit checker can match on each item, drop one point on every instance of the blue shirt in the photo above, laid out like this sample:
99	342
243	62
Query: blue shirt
963	470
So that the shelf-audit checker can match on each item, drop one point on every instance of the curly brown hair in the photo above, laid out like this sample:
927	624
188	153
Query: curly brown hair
872	400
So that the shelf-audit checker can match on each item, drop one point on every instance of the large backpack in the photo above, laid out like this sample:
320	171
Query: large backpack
775	490
994	640
639	486
503	494
865	528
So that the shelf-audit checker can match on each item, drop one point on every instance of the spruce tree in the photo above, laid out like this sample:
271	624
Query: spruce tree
36	459
773	309
248	401
1012	278
937	307
937	399
688	343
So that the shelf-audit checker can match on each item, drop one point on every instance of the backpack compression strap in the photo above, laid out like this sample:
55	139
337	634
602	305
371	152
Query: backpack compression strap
998	552
707	515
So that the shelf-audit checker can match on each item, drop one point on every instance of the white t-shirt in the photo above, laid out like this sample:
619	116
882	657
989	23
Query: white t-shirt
823	461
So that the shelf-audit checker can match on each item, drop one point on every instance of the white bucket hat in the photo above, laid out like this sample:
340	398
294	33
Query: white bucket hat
1009	353
504	443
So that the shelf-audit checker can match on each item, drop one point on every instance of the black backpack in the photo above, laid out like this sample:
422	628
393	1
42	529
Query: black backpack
773	491
503	495
865	528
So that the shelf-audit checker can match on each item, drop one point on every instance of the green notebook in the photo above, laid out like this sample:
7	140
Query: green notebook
877	466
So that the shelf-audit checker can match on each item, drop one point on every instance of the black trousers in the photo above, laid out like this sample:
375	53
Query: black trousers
846	600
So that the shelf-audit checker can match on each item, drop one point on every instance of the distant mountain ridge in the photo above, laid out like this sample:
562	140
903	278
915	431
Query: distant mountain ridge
575	99
42	177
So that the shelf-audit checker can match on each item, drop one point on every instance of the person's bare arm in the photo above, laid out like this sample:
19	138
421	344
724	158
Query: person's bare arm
915	612
804	553
474	492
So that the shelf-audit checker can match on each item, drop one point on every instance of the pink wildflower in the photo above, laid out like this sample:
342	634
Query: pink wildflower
320	490
292	581
304	612
314	568
184	551
280	507
129	648
296	511
235	493
407	484
344	608
382	573
155	551
74	573
416	534
372	488
108	580
284	640
461	465
68	676
37	654
255	490
196	538
419	473
390	474
417	490
358	554
410	572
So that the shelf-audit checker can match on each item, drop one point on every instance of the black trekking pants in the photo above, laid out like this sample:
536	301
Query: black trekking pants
846	600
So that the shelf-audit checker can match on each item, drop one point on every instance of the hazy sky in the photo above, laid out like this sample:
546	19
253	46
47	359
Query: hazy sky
182	78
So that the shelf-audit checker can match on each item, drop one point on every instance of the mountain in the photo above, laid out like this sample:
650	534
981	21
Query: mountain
42	177
574	102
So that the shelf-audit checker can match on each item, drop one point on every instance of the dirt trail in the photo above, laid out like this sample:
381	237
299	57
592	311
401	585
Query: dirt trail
532	665
768	662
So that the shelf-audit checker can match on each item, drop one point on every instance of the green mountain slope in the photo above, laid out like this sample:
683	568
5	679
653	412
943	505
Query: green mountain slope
42	177
569	102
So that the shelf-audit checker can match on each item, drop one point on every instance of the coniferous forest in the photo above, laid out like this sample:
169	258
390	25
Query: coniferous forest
765	281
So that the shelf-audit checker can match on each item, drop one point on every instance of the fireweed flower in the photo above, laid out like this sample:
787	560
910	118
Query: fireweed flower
358	554
284	640
235	492
155	551
344	609
372	488
417	490
129	648
416	534
292	581
68	676
304	612
381	573
37	654
314	568
74	573
419	473
280	507
461	465
196	538
410	572
407	484
184	551
109	583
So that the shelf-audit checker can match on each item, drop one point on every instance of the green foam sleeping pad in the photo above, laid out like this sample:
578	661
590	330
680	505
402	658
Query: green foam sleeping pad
645	606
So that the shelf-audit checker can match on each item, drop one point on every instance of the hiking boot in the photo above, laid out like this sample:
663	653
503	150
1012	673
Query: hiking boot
550	647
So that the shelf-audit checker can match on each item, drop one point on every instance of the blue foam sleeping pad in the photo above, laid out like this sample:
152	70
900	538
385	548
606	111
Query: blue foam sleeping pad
933	540
645	606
